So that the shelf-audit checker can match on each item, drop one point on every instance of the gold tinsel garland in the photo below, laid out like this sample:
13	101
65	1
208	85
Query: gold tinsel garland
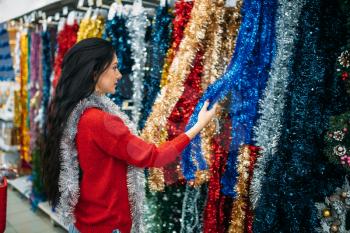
90	28
24	129
194	35
223	31
240	205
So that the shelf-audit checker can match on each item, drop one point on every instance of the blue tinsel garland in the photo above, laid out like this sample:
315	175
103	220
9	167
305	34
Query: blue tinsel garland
117	32
299	174
46	72
160	42
244	81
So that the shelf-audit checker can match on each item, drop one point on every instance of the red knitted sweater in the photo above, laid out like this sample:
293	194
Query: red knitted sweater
105	148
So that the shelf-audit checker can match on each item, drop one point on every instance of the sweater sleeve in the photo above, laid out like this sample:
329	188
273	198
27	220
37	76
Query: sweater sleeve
112	136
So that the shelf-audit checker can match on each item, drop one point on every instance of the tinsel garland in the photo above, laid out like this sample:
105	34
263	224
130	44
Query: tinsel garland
214	215
218	54
299	174
65	40
334	212
24	78
160	43
155	130
268	127
136	24
218	50
119	36
244	80
182	112
90	28
17	99
164	209
46	75
35	87
192	209
241	205
182	16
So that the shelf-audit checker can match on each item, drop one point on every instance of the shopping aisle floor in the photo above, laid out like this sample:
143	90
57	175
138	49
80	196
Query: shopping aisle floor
21	219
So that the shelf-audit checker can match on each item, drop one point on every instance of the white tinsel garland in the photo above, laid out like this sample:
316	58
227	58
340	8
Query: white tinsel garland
136	24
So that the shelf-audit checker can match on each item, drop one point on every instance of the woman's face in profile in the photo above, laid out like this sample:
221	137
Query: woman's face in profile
108	80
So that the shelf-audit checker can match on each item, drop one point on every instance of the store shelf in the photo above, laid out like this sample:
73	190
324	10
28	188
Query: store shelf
24	185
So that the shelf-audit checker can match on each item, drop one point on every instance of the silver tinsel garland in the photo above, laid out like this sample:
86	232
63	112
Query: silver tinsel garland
268	127
136	24
69	172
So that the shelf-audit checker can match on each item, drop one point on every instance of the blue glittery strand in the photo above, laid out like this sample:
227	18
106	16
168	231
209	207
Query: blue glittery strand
46	70
161	37
118	34
244	81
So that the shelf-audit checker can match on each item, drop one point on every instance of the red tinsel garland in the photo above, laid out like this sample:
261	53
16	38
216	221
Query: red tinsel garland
214	216
182	112
182	17
65	40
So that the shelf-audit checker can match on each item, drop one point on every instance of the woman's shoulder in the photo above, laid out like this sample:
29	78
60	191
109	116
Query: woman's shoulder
95	116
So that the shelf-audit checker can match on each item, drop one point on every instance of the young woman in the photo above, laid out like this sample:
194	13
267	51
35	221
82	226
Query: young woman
93	158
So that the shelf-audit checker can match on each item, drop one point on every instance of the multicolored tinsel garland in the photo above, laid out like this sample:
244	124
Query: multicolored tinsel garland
194	35
216	59
244	80
65	40
90	28
35	87
136	24
119	36
268	127
161	36
334	212
241	205
46	76
182	112
24	126
218	54
214	215
299	174
182	16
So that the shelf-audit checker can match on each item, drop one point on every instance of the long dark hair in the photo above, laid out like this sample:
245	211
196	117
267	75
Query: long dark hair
82	65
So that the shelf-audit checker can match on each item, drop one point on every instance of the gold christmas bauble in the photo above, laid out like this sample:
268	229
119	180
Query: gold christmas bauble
326	213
